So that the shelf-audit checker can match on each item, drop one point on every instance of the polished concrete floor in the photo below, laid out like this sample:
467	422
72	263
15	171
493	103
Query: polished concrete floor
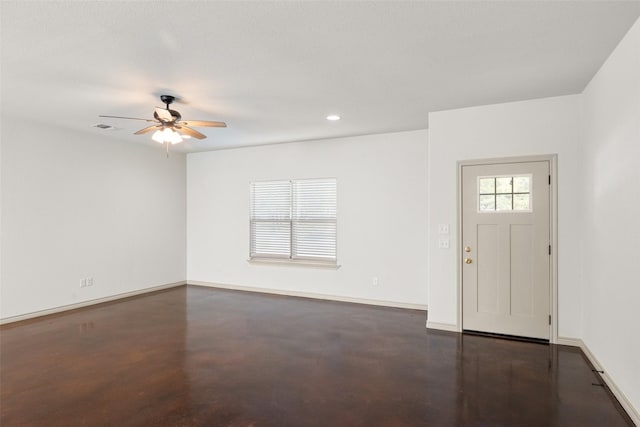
195	356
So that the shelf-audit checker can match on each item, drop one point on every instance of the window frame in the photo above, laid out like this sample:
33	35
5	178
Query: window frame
496	193
291	221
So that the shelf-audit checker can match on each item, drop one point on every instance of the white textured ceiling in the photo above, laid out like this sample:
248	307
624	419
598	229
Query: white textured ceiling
274	70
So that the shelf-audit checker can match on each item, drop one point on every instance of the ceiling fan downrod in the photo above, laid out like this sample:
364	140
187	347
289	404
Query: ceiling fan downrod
167	99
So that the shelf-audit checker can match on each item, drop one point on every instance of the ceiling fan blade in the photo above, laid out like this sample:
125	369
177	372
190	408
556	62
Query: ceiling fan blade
205	123
148	129
128	118
164	115
191	132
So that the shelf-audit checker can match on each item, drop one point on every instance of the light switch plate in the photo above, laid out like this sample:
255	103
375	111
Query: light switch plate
443	243
443	228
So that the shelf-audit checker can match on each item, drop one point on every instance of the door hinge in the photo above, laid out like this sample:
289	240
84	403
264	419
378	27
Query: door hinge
549	179
549	249
549	319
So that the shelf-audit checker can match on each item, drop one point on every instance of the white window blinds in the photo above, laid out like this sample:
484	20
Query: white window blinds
271	219
294	219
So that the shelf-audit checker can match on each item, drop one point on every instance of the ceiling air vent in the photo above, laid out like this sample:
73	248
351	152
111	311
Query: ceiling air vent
103	126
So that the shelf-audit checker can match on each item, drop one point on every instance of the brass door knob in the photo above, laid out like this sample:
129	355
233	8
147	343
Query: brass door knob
467	248
468	261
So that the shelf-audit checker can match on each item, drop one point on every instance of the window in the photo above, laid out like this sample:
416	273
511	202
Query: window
294	220
504	193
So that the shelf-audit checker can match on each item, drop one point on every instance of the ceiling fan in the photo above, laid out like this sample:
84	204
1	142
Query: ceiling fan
169	126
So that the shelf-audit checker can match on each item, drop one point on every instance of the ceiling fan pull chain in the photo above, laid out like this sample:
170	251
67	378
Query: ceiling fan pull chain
167	149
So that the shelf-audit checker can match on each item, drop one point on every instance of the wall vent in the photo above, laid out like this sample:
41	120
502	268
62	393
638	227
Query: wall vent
103	126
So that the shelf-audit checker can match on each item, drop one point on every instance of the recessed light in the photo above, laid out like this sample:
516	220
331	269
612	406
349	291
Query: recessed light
333	117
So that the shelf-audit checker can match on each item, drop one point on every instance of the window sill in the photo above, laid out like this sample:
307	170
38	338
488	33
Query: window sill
294	262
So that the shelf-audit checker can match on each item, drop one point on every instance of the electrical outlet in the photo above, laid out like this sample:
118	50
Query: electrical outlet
83	283
90	281
374	282
443	243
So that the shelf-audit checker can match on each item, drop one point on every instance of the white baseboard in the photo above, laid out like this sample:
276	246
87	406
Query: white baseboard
89	303
622	398
394	304
573	342
443	326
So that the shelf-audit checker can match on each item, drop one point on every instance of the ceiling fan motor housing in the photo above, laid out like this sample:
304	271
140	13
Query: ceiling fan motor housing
168	100
174	114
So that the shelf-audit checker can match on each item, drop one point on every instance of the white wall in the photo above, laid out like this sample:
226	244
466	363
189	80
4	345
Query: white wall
611	216
382	215
78	205
541	126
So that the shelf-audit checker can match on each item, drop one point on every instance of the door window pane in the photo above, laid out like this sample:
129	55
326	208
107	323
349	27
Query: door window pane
503	185
488	202
487	185
504	202
521	202
521	184
504	193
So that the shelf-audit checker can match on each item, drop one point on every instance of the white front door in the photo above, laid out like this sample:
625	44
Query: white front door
506	248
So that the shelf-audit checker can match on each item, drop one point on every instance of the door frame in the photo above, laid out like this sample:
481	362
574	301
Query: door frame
553	224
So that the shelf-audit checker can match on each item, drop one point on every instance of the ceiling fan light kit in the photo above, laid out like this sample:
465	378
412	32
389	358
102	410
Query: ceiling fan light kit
167	135
168	124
